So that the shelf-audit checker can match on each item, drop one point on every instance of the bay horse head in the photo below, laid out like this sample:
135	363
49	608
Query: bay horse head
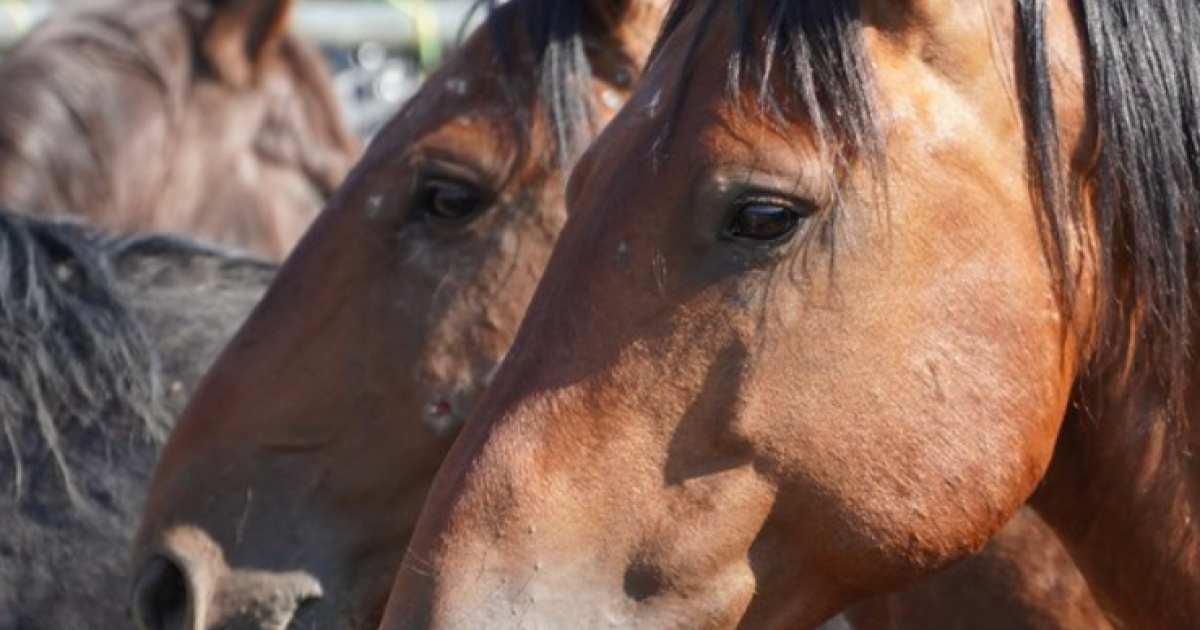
292	482
841	285
199	116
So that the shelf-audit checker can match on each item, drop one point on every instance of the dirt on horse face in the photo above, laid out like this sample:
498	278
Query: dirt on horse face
830	283
197	116
301	466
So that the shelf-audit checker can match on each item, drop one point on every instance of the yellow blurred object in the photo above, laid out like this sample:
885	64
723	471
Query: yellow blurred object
18	13
429	40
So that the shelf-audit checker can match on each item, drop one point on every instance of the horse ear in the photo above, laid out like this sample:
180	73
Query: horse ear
240	35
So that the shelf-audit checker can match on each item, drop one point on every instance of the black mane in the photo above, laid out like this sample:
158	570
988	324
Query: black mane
1145	70
809	59
84	321
814	51
73	355
89	327
552	36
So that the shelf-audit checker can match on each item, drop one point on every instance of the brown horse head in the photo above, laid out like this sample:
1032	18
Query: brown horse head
830	284
197	116
297	473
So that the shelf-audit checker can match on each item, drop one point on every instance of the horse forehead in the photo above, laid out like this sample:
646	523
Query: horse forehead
459	92
714	129
475	133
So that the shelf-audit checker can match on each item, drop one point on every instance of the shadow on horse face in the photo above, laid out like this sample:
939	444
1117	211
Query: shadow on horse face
193	116
812	338
310	447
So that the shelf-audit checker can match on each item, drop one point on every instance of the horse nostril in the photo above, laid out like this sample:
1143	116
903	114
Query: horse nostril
162	597
642	582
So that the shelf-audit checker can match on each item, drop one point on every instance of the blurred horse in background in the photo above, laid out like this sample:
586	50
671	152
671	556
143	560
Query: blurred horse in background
204	117
102	342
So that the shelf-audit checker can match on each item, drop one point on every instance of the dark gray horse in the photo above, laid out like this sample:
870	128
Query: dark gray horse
101	343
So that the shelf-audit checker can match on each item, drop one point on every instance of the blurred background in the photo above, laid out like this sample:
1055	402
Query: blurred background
379	50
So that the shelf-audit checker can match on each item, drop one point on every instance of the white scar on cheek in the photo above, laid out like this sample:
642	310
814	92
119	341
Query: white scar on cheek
374	205
623	257
651	109
611	99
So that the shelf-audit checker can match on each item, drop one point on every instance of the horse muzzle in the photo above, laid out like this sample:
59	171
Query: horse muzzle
186	585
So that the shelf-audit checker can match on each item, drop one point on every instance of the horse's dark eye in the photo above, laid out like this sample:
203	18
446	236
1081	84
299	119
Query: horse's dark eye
451	203
763	221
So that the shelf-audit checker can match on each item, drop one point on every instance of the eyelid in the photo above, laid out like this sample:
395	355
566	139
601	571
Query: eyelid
430	161
801	207
733	181
442	182
769	198
439	170
431	183
434	179
429	168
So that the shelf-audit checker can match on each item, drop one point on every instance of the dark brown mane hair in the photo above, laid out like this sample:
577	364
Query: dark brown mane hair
73	352
1144	63
553	37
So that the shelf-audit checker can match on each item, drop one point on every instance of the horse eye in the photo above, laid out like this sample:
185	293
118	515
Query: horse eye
763	221
450	203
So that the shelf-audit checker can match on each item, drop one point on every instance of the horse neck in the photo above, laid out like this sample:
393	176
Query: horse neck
1123	492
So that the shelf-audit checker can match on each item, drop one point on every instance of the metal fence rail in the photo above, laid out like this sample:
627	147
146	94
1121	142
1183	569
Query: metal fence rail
342	24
